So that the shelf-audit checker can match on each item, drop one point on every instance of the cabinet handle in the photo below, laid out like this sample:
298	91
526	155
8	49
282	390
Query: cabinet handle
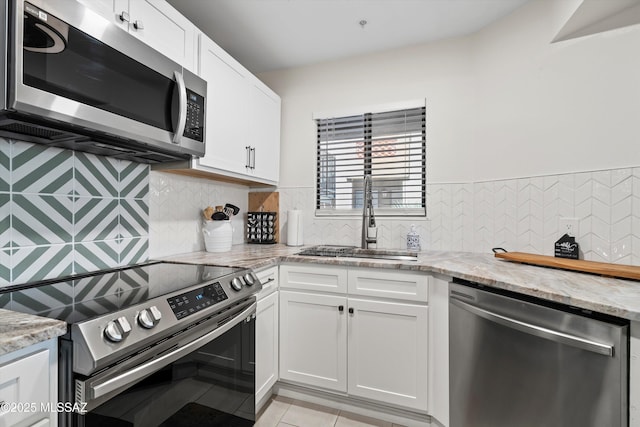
138	25
124	16
247	163
350	310
341	308
253	158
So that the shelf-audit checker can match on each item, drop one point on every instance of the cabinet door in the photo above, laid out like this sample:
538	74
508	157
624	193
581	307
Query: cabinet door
264	132
388	349
439	350
266	345
25	381
226	132
110	9
165	30
313	340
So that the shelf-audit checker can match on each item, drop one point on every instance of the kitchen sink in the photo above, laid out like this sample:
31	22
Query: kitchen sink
355	252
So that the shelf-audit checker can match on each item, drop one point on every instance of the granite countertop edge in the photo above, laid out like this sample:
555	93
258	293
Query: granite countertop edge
615	297
606	295
20	330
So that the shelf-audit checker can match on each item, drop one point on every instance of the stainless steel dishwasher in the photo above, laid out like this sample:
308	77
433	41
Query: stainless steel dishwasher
521	362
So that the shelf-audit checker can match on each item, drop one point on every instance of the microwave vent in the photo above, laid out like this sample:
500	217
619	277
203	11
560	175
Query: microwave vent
154	157
36	131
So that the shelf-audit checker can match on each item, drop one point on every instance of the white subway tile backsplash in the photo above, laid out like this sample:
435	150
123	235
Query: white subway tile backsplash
517	214
175	211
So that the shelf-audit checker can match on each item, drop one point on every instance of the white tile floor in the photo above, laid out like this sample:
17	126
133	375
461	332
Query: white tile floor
285	412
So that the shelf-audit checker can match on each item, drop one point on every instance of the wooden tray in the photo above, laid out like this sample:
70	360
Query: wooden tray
602	268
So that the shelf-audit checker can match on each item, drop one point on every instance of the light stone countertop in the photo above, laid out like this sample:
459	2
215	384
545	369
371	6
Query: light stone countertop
19	330
600	294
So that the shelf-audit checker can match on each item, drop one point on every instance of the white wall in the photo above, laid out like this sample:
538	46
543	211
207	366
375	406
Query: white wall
552	108
520	133
503	103
437	72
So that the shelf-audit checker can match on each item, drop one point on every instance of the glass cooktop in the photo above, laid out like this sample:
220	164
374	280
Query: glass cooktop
75	299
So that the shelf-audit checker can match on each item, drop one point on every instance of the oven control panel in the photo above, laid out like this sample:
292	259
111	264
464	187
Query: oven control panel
193	301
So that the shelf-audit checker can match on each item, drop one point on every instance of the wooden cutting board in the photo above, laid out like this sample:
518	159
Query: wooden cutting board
619	271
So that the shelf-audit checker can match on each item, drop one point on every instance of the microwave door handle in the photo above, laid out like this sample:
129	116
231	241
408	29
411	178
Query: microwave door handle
182	107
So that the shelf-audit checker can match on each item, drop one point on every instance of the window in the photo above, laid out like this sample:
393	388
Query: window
390	146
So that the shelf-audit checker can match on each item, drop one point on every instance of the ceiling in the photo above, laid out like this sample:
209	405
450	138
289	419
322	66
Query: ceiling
266	35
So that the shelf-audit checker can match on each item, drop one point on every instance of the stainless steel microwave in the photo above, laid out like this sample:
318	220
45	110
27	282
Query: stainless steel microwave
72	78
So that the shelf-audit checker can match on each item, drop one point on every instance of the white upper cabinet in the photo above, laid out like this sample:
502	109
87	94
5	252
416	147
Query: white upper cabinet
227	90
156	23
264	131
243	120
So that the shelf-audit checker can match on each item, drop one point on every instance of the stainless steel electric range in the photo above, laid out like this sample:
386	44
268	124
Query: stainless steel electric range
160	344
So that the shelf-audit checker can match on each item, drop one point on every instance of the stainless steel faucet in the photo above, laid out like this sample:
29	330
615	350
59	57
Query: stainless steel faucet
369	230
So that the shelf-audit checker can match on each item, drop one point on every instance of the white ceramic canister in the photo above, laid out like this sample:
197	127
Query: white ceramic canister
218	235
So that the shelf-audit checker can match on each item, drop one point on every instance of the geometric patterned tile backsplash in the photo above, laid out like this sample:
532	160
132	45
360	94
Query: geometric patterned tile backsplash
518	214
64	212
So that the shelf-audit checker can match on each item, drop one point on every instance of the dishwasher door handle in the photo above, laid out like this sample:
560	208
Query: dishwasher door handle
536	330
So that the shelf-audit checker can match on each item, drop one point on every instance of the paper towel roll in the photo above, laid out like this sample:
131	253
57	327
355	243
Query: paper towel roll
294	228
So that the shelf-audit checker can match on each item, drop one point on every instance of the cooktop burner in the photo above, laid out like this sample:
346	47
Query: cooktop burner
74	300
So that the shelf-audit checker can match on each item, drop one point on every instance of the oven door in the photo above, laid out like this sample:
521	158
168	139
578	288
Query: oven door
73	67
207	381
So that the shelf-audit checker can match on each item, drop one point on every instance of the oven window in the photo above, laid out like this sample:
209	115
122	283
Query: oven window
60	59
213	386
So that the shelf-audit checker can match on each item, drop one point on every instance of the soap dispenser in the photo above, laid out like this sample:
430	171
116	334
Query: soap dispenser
413	239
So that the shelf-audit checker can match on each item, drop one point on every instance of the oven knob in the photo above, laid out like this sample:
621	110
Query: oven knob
248	278
236	283
149	317
117	330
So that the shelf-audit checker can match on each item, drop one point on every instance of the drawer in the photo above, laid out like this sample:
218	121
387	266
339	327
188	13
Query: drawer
270	281
389	284
323	278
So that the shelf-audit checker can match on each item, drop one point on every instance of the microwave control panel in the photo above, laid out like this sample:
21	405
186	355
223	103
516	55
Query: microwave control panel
194	127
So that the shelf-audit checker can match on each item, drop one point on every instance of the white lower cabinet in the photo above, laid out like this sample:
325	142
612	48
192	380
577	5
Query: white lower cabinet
388	350
266	345
439	349
28	384
313	344
267	334
365	347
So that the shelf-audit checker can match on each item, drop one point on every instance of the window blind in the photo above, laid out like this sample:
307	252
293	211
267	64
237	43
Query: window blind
389	146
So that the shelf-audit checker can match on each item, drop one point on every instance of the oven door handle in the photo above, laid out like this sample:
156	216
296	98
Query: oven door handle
139	372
